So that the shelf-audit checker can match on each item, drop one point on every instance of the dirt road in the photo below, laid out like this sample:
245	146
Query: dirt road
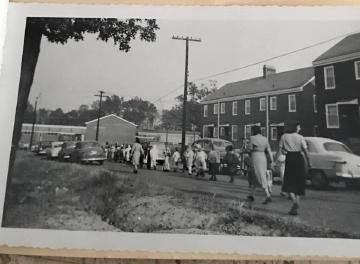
336	208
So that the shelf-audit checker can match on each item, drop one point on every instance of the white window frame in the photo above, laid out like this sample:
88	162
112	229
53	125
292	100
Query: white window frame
289	101
232	133
264	100
247	103
357	70
325	78
327	116
216	109
272	105
234	108
222	131
206	109
215	132
273	135
222	108
315	103
245	127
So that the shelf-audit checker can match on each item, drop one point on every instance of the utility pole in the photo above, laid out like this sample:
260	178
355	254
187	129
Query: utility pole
34	122
99	113
187	39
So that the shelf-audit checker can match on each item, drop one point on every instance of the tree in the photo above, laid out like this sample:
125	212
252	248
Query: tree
60	30
173	118
137	111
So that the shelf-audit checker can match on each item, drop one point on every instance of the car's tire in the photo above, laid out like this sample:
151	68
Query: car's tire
101	162
318	180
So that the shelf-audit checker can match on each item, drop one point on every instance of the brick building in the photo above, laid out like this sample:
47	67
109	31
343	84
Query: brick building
271	101
337	76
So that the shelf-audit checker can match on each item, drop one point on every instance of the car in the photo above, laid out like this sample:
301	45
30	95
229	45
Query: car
331	161
42	146
66	150
53	151
88	152
219	145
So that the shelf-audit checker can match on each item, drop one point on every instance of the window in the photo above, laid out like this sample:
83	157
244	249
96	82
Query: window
274	133
222	108
205	110
357	70
314	103
215	132
332	116
333	146
248	131
234	132
273	103
292	103
205	131
262	104
222	131
329	76
263	131
216	109
247	107
234	108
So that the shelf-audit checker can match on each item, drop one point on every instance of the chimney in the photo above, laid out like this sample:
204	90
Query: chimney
268	70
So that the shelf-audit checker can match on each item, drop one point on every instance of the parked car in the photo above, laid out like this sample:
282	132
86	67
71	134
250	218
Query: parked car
42	146
35	148
88	152
332	161
66	149
219	145
52	152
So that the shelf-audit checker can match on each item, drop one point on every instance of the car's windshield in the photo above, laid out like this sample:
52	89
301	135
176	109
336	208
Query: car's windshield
69	145
90	145
333	146
218	144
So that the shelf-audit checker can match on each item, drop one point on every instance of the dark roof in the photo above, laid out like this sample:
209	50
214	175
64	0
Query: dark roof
348	45
273	82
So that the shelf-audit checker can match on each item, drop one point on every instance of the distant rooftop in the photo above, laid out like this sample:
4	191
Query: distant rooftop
347	46
273	82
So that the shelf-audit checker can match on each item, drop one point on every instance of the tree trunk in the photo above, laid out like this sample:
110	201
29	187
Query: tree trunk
30	56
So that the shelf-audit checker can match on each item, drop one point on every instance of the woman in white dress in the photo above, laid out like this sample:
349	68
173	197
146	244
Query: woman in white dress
260	152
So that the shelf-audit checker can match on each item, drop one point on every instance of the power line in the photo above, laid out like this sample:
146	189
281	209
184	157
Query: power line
259	62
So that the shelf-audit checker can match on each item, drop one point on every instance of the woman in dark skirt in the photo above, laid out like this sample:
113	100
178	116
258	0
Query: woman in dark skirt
293	145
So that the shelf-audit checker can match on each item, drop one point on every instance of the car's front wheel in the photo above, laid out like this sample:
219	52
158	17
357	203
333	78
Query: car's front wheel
318	180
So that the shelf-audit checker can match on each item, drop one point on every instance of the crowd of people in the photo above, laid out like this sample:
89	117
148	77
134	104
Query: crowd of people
256	161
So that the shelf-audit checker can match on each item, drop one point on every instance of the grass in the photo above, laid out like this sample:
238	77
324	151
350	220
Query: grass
42	189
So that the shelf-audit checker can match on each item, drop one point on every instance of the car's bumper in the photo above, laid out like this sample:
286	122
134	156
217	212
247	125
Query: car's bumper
347	175
93	159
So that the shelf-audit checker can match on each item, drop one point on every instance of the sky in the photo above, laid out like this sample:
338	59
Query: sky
69	75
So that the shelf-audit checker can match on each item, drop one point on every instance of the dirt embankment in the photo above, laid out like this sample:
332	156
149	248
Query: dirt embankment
48	194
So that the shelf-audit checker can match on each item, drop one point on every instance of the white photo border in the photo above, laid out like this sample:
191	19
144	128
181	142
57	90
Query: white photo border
145	242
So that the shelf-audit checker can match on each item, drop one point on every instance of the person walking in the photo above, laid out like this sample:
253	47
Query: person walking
136	152
292	145
153	157
189	159
175	159
231	161
260	155
214	163
200	161
167	155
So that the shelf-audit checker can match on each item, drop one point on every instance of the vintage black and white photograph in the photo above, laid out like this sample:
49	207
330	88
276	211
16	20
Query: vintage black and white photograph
187	126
